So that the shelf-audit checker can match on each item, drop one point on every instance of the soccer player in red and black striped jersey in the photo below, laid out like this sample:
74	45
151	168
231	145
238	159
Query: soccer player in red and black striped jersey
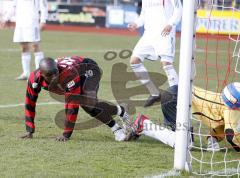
76	78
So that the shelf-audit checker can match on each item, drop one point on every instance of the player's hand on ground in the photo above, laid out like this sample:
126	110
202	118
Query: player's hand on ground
27	135
42	26
132	26
61	138
166	30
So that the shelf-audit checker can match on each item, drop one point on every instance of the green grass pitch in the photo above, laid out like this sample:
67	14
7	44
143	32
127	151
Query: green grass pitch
89	153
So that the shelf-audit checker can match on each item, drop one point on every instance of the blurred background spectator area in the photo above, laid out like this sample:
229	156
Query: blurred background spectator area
95	2
219	4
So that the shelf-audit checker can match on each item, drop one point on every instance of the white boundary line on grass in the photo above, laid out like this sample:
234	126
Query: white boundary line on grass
66	50
6	106
174	173
221	173
95	50
171	173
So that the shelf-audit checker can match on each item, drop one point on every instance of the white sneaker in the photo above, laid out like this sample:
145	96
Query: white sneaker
119	134
213	144
22	77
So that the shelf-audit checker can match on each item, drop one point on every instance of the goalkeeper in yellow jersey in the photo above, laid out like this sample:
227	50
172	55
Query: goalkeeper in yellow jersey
207	106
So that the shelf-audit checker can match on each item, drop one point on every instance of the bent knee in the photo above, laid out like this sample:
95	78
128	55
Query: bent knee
36	47
25	47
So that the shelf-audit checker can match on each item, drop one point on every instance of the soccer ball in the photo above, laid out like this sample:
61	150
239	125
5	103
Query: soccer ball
231	95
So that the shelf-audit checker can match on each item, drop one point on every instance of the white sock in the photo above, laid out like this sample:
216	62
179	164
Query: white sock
26	59
119	110
38	57
171	75
158	132
142	74
115	127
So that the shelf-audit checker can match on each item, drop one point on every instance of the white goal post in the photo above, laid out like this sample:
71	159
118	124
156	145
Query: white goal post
215	51
184	87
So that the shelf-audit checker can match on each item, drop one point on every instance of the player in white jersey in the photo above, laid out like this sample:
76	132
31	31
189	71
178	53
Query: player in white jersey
159	18
27	31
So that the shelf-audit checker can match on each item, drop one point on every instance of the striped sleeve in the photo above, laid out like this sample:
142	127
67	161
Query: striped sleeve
177	12
71	111
30	103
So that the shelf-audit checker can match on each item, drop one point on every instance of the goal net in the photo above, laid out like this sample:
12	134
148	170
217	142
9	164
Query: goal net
217	54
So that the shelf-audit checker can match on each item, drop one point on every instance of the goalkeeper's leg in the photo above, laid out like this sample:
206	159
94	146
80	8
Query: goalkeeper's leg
169	106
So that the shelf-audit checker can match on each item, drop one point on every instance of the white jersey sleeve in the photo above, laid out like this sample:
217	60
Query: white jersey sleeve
140	20
156	14
177	12
10	13
44	11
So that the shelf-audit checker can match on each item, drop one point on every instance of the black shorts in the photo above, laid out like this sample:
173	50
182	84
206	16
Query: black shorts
90	75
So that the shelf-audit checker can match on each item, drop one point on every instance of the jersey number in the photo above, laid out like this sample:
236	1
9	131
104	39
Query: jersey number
66	62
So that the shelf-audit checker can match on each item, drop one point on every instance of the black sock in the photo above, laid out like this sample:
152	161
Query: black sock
111	123
122	112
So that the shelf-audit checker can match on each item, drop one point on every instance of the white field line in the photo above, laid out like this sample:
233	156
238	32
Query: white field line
220	173
95	50
66	50
7	106
171	173
22	104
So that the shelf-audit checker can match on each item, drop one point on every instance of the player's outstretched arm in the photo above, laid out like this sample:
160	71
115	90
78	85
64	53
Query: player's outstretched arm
71	110
32	91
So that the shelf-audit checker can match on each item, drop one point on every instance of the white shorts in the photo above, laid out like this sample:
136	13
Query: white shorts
162	48
26	34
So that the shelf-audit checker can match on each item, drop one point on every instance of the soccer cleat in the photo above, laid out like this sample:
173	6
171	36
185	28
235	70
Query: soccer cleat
138	123
213	144
119	134
136	128
151	100
22	77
